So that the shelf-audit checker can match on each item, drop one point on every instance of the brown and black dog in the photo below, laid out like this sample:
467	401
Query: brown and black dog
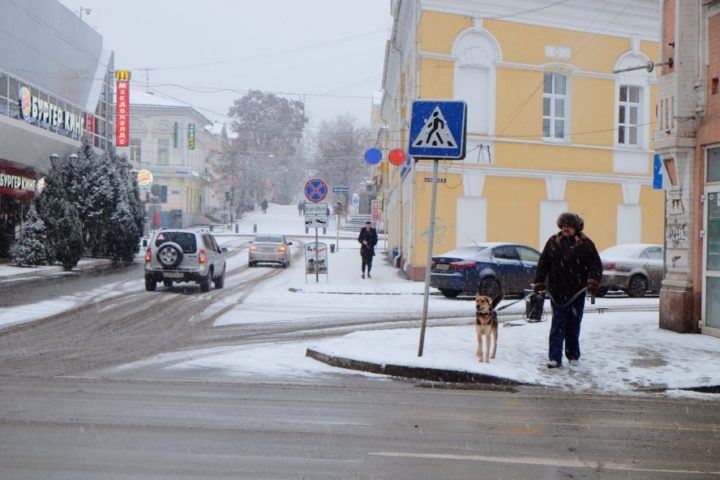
486	325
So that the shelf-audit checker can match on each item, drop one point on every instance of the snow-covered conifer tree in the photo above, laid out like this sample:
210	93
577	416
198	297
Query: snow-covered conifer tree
30	248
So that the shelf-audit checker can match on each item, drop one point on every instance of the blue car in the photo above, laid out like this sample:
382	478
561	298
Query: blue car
488	268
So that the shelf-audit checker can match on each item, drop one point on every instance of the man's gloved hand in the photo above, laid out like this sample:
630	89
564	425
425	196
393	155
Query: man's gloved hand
592	286
538	287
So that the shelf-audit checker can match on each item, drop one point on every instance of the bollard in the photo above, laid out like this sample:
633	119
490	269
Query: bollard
332	248
254	227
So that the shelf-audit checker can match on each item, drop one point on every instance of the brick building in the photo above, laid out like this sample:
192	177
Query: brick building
688	142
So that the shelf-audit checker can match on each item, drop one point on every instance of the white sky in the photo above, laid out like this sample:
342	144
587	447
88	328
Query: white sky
622	352
333	48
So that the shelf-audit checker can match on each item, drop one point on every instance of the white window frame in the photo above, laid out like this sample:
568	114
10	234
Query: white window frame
163	151
135	152
624	123
552	116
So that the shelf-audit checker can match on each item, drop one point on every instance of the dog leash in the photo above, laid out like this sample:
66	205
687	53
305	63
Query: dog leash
499	309
573	298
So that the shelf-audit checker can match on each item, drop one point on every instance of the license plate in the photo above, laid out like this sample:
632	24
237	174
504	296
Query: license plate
172	275
442	266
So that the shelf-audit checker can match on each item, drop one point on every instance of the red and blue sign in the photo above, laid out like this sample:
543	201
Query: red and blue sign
316	190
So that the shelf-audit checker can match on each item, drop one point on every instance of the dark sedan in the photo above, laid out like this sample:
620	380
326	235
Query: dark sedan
488	268
635	269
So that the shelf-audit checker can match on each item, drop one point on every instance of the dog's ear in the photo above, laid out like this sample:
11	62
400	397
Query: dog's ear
497	300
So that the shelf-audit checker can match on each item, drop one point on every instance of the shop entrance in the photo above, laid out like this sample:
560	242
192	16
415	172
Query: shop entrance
9	219
711	245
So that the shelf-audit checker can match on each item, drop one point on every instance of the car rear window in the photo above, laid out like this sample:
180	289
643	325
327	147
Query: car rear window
269	238
186	240
466	251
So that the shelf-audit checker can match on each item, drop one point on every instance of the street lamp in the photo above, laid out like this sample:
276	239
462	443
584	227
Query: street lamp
54	159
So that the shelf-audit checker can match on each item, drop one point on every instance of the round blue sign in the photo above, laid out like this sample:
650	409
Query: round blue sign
316	190
373	156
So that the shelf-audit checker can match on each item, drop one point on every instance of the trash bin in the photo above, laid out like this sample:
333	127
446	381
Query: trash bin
332	248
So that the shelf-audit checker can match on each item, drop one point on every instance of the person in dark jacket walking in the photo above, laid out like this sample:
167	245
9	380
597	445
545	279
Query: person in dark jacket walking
368	239
569	265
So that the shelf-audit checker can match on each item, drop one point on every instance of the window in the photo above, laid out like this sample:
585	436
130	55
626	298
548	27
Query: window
159	192
554	105
628	115
163	151
713	164
136	150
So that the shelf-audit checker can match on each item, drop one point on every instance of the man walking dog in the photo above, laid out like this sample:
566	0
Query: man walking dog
368	239
568	267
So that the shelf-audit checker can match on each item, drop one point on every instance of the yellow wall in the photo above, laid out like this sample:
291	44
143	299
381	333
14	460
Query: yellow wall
527	156
445	214
523	43
437	78
597	204
437	31
519	108
513	209
592	111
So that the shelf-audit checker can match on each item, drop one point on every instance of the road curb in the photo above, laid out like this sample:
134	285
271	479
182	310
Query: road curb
422	373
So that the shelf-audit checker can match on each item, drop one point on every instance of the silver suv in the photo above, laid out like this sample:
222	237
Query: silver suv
184	256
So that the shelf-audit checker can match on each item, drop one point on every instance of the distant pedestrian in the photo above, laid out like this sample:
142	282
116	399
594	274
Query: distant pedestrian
368	239
301	207
264	205
569	265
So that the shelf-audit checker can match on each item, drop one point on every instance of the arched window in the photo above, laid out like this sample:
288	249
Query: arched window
632	99
476	53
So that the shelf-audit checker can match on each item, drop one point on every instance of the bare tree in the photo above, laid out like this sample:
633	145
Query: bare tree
340	148
263	158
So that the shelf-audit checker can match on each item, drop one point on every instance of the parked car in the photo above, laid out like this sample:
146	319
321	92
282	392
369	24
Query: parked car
633	268
489	268
269	249
177	255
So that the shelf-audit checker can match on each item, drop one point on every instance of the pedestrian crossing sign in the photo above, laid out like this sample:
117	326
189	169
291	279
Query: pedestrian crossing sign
437	130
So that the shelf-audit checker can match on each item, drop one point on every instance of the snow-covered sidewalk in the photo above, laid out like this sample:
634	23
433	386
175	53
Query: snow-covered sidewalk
623	349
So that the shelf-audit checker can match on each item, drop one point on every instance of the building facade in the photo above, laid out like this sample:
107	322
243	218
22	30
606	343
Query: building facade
171	140
688	142
55	88
550	127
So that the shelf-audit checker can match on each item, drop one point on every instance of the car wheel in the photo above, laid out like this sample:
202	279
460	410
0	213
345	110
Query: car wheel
602	291
637	287
169	255
150	284
449	293
220	281
205	282
168	283
251	264
489	287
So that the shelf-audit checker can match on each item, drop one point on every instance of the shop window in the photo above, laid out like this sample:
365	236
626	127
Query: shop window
160	193
555	99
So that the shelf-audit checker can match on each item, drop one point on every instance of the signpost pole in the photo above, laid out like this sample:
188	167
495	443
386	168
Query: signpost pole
431	238
317	248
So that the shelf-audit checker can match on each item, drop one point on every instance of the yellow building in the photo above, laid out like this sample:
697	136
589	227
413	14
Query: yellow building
550	127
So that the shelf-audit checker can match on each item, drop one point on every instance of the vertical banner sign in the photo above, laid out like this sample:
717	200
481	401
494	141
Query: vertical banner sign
176	129
191	136
122	105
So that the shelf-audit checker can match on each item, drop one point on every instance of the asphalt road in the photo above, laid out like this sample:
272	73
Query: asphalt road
59	420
